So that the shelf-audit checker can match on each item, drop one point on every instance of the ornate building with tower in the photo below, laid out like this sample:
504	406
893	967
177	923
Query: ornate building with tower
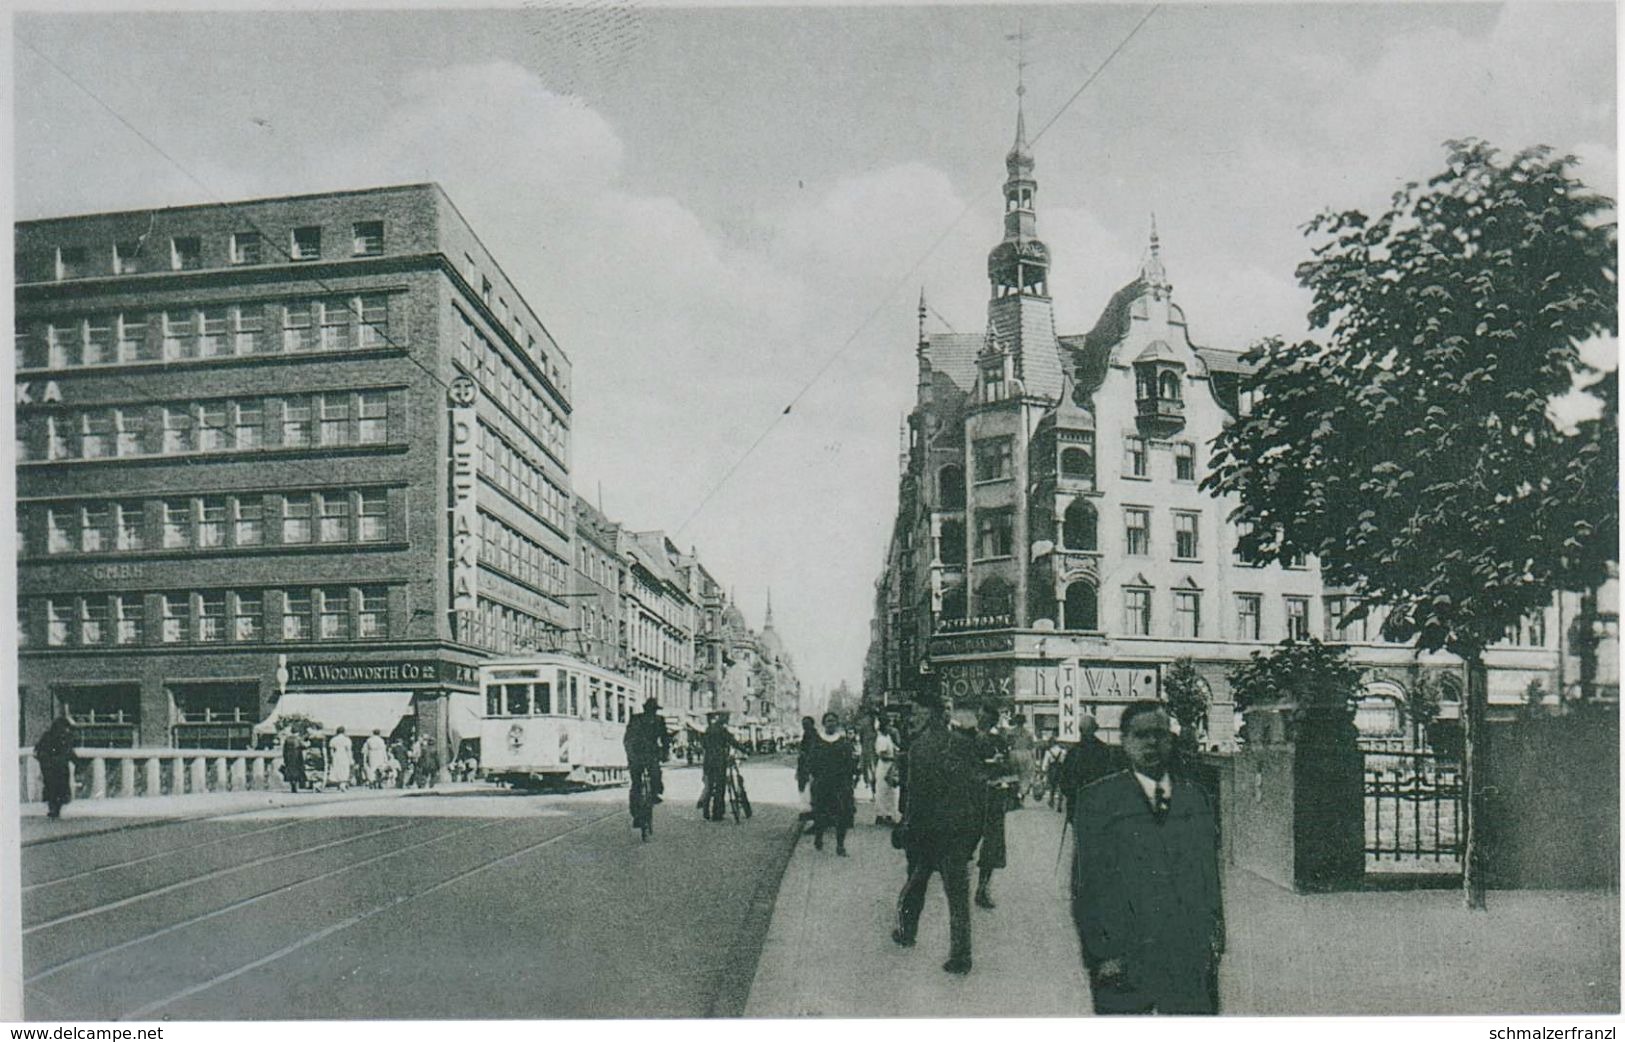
1052	549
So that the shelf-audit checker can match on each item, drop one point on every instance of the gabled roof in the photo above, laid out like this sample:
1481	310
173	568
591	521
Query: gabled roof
1159	351
954	354
1221	361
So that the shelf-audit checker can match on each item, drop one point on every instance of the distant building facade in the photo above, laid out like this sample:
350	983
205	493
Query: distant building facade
313	445
1052	550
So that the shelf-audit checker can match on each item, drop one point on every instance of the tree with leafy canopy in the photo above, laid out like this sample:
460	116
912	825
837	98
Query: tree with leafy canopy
1415	450
1187	696
1305	674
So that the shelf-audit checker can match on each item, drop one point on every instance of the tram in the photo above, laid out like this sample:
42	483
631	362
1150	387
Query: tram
552	719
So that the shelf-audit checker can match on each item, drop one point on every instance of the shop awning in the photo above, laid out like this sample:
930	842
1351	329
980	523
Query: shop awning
358	712
464	717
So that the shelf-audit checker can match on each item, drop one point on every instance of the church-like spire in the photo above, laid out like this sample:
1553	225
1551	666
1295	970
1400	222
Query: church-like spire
767	621
1152	273
1019	265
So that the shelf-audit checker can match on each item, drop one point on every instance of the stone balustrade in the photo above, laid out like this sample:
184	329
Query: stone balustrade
102	773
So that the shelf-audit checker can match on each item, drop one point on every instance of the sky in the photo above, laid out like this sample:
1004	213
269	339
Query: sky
720	213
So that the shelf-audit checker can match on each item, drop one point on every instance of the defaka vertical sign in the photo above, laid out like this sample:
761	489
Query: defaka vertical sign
465	519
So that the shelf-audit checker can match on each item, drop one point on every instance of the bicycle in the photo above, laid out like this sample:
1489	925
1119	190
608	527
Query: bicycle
643	802
738	798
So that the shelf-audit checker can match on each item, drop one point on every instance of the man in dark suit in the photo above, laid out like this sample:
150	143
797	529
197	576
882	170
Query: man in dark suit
1087	762
947	796
1145	881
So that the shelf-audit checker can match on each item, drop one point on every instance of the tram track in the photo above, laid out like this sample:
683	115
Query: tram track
204	877
174	852
248	902
146	1011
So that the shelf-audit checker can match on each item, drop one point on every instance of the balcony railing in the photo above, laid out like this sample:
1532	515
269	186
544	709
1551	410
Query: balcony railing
126	773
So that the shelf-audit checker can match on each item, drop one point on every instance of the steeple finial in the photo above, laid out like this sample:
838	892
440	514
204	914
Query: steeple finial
921	340
1152	273
767	621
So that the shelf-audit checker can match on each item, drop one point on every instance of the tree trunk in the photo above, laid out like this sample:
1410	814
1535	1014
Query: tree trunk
1474	757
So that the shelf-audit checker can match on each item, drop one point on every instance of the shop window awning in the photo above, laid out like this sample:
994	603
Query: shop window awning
358	712
465	716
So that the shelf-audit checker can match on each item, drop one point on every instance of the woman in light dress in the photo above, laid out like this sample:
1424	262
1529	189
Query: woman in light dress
885	776
340	760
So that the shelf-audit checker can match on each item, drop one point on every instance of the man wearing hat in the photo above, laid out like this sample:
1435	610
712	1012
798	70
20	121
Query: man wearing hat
717	744
647	743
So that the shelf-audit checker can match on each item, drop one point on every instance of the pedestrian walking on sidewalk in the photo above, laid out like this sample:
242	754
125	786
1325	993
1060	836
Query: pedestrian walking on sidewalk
54	752
832	769
1023	757
1086	763
947	796
886	771
867	732
293	761
809	735
1145	880
340	760
994	751
375	757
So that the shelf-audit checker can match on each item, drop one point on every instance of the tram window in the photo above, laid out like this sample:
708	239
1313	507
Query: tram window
620	704
518	699
574	694
595	711
543	698
493	700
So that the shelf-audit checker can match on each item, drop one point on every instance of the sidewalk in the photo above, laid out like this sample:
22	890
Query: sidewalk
828	951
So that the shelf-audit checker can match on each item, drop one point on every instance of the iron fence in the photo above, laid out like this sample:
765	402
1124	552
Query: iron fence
1413	812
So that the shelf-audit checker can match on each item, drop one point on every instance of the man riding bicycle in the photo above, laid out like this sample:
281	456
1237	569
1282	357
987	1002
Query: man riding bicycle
718	745
647	743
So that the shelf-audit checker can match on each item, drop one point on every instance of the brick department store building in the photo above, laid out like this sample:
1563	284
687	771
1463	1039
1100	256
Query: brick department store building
303	454
1053	552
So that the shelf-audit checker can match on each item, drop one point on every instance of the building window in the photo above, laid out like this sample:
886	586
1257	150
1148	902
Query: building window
1297	618
374	619
296	615
131	518
1249	607
127	614
485	290
1078	462
58	622
211	521
335	419
372	521
179	342
93	621
246	248
1184	461
335	325
212	432
1079	527
186	253
95	435
132	339
248	622
296	422
335	618
1187	613
211	617
993	458
1134	457
249	329
1136	611
1186	546
307	243
372	423
248	422
214	326
72	262
1337	609
99	348
59	534
298	327
367	238
249	522
124	257
335	518
97	533
1137	531
296	518
1243	529
130	427
374	329
177	612
177	523
995	533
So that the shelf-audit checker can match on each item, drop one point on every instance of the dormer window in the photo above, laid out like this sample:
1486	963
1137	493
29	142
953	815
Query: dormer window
993	381
1159	378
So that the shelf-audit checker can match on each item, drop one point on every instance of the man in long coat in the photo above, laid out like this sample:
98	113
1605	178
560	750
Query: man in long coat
947	798
1145	884
54	752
